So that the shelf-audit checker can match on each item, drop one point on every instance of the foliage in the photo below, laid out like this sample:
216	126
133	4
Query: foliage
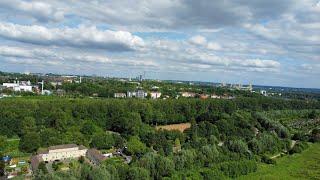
30	142
298	166
298	147
135	146
103	141
266	159
237	168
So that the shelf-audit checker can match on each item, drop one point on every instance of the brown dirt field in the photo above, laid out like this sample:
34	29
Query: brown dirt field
180	127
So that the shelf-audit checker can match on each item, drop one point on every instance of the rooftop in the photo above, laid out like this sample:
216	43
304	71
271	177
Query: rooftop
96	154
63	146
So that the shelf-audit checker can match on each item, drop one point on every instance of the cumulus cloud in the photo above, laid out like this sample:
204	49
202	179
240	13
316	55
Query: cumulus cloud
174	14
198	40
89	37
38	10
214	46
202	41
46	54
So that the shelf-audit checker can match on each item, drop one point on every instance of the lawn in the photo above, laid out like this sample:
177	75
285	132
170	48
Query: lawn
12	149
298	166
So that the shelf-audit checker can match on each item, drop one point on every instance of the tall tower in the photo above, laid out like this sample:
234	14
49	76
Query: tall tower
250	87
42	83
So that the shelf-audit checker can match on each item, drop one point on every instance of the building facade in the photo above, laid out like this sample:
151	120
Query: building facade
155	95
120	95
24	86
138	94
188	94
62	152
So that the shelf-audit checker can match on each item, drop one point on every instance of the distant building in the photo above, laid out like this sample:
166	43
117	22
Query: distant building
263	92
204	96
188	94
46	92
57	153
120	95
24	86
155	95
247	88
140	77
61	152
56	83
141	94
138	94
213	96
95	156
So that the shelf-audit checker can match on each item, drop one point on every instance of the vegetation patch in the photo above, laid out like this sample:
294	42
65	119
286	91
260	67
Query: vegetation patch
180	127
297	166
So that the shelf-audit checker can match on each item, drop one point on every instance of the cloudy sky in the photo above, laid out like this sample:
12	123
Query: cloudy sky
266	42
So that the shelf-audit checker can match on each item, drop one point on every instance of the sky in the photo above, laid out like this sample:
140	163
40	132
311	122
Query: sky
263	42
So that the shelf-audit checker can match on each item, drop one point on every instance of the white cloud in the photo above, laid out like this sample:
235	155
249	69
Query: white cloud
198	40
89	37
214	46
46	54
70	57
203	42
40	11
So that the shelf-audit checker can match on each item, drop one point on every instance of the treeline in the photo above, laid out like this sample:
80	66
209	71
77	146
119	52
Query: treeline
112	114
100	88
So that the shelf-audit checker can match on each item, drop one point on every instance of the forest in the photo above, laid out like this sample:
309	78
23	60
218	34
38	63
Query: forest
227	138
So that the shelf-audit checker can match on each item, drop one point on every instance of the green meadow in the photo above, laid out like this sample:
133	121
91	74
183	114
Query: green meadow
297	166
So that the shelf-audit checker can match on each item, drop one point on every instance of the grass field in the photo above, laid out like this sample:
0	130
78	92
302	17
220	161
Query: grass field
180	127
298	166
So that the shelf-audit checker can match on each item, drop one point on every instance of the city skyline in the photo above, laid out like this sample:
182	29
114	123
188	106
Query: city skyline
266	42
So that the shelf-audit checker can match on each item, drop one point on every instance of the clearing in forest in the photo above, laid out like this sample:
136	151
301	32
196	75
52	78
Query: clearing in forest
180	127
298	166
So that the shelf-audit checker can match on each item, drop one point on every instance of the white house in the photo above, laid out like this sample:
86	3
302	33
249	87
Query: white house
213	96
263	92
62	152
188	94
120	95
59	152
139	94
19	86
155	95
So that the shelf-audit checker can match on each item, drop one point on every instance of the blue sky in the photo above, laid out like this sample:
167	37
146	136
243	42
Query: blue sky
274	42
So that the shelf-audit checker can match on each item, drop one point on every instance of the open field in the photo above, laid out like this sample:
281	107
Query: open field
298	166
180	127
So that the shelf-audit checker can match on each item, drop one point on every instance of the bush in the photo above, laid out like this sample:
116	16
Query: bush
236	168
213	174
315	135
298	148
299	136
267	160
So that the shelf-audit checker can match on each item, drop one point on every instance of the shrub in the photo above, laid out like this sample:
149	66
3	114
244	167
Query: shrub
267	160
298	148
236	168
